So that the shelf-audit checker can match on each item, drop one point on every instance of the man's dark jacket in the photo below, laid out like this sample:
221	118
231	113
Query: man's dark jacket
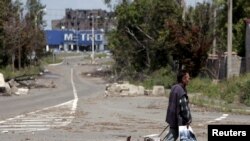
173	117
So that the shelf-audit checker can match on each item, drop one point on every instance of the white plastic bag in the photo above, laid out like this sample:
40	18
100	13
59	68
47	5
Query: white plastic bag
186	134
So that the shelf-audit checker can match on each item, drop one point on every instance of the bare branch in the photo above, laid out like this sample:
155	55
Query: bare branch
145	33
148	62
133	35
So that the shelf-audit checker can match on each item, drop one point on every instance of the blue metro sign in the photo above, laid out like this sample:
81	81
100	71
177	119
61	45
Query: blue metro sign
84	37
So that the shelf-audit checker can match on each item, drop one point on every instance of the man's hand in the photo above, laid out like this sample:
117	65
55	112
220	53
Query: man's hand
188	123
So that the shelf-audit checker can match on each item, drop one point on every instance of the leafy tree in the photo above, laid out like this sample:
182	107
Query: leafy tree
35	22
192	38
190	47
241	11
139	43
12	27
151	34
4	14
17	32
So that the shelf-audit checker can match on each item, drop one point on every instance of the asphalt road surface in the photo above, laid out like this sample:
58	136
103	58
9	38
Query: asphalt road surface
77	110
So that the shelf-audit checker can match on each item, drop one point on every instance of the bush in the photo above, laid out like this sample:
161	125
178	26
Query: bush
9	74
228	90
245	93
50	59
205	86
163	77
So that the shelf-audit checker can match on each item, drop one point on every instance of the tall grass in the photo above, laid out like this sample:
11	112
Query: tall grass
164	77
236	89
29	70
50	59
204	85
9	73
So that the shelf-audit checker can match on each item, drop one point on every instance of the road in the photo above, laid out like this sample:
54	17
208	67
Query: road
77	110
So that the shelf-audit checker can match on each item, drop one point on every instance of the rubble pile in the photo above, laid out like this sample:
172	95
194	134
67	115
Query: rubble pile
126	89
13	87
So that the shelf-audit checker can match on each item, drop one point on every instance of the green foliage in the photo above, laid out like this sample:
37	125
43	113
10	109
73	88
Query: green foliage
237	86
50	59
9	74
236	89
100	55
151	35
229	90
4	10
139	44
163	76
18	35
204	85
241	11
245	95
242	89
190	46
239	37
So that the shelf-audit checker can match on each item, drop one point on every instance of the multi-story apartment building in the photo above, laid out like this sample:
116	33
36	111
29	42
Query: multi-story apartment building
85	19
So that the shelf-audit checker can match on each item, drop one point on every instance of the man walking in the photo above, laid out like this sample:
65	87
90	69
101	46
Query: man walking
178	112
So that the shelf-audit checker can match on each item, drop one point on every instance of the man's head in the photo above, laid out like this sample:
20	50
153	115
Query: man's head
183	77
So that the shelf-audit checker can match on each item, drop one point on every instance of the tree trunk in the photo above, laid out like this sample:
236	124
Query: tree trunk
148	58
19	57
13	62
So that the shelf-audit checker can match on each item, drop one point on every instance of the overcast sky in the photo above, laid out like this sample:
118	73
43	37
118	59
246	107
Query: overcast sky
55	9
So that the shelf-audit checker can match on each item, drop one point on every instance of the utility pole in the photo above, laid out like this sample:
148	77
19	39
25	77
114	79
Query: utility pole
77	32
33	54
92	38
93	41
77	40
229	39
183	5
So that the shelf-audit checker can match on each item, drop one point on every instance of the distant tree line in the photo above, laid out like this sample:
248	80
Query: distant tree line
21	33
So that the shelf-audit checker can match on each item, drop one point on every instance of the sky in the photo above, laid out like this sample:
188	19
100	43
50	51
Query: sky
55	9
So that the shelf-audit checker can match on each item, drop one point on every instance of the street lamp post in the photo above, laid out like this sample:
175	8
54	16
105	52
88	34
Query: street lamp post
93	41
229	39
36	15
93	37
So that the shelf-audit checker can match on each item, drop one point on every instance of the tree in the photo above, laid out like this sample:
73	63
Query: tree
190	47
34	19
241	11
16	33
139	45
151	34
198	33
4	14
13	26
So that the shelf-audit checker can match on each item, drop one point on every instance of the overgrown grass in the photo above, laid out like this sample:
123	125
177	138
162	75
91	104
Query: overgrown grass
100	55
237	88
9	73
29	70
205	86
50	59
206	91
163	77
69	54
234	90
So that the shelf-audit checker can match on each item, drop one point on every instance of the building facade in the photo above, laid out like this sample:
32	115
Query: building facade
74	32
85	20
